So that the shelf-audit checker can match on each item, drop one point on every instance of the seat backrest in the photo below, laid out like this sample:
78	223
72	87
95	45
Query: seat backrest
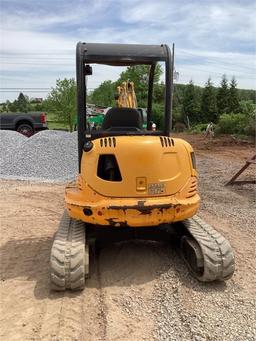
122	117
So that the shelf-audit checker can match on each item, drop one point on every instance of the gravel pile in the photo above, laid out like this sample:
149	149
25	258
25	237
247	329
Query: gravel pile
10	142
47	155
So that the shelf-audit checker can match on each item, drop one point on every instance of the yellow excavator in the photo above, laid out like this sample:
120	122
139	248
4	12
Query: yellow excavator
133	182
126	96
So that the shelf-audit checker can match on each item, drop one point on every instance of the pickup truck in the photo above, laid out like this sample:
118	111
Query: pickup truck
25	123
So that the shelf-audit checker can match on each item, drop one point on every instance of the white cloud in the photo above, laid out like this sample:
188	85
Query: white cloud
212	38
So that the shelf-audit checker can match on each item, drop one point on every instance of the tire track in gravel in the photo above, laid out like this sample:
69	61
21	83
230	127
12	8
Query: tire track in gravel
128	271
101	301
22	261
170	303
76	316
63	317
80	315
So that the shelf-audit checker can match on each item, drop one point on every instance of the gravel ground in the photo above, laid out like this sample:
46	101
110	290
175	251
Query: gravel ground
224	201
136	291
188	310
47	155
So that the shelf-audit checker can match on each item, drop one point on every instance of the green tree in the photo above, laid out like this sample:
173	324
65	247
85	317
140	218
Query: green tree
38	107
208	103
3	107
247	95
13	107
178	95
62	101
223	96
247	107
23	103
104	95
190	104
233	99
139	74
20	104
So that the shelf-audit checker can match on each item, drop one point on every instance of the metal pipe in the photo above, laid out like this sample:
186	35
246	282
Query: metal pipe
172	85
150	94
168	91
81	100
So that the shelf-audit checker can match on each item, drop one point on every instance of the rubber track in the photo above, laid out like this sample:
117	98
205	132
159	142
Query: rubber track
69	255
219	263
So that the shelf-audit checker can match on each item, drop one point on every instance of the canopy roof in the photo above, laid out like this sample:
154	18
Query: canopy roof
122	54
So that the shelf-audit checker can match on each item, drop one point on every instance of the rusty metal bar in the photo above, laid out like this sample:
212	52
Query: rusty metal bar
247	164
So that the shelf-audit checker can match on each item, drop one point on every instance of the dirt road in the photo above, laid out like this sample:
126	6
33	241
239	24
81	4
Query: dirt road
137	290
114	305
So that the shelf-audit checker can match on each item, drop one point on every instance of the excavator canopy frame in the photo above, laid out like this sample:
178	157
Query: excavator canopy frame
121	55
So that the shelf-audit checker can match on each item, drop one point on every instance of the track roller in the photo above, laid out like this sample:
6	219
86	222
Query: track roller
69	260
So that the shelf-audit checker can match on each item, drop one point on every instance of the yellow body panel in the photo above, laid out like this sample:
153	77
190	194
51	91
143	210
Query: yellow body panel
139	157
159	183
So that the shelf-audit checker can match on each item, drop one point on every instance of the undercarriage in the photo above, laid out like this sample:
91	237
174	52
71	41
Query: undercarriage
206	252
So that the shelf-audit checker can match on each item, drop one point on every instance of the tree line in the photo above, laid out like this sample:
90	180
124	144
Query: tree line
231	109
211	103
21	104
192	105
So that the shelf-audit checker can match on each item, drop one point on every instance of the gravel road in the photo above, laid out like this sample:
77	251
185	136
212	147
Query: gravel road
137	290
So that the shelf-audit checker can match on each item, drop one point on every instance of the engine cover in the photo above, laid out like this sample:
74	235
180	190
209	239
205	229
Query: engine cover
137	166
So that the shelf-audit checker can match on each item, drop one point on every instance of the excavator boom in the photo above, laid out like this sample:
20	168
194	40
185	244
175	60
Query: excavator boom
126	97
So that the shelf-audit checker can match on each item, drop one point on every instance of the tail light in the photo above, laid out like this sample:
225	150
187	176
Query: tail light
43	118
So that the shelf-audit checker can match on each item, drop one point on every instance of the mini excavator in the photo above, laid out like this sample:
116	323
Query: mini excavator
133	182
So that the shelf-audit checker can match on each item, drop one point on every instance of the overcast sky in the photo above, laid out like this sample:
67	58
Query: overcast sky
38	38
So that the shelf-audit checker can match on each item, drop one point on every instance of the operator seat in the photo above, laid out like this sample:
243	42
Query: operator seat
127	119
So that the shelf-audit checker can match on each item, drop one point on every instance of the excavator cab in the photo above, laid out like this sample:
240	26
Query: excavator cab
132	181
122	55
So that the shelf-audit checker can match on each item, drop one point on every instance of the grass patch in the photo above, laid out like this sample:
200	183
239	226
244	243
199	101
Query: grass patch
57	125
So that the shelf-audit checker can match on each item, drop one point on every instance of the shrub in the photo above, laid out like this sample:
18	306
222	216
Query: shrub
250	128
231	123
199	128
241	123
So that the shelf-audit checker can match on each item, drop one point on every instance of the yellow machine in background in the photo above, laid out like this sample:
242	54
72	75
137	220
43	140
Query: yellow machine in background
126	97
133	181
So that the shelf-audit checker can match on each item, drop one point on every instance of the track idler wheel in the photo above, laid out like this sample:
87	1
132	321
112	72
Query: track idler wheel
192	255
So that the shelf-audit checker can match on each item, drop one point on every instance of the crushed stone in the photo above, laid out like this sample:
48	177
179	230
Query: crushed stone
47	155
